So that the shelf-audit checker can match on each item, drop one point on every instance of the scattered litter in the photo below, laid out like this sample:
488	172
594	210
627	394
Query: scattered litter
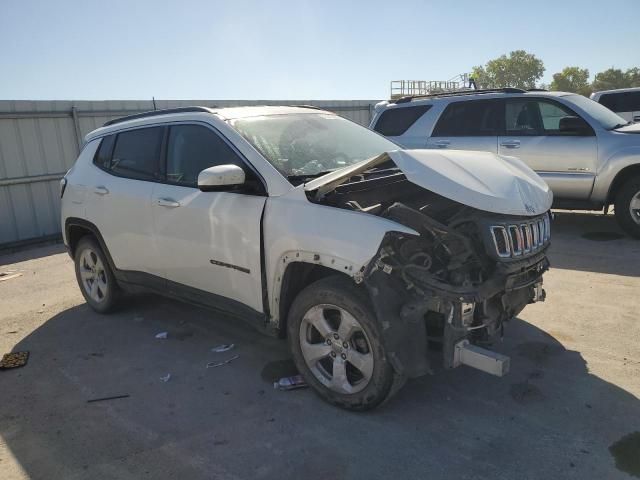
162	335
166	378
220	364
103	399
8	276
14	360
223	348
290	383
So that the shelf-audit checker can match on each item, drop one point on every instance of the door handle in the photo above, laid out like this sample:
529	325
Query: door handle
101	190
511	144
168	202
636	118
442	143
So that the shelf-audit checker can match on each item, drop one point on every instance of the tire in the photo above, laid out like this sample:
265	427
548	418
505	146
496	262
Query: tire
627	207
335	310
95	278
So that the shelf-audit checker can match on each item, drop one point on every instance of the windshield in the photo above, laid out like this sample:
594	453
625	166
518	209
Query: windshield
599	113
310	144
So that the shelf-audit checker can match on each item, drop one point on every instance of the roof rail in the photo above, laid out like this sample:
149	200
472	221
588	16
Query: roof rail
154	113
408	98
307	106
537	90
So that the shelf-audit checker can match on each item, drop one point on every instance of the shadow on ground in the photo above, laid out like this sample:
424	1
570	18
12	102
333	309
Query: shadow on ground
593	243
550	418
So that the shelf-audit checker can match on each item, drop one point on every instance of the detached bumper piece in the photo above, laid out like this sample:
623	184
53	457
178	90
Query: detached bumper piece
480	358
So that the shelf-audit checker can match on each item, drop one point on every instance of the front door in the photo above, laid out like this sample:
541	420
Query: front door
565	160
209	241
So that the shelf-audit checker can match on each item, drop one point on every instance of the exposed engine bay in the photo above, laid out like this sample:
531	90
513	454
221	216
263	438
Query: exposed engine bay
453	287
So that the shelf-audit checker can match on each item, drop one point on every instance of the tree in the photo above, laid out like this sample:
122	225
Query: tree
633	77
572	79
520	70
610	80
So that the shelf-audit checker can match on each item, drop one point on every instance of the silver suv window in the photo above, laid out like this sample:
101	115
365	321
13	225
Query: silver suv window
599	113
475	118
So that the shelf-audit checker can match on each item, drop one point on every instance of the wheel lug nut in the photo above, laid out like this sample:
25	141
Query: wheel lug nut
328	341
333	354
345	344
344	357
336	336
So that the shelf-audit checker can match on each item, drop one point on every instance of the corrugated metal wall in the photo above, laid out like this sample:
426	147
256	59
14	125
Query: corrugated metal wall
40	140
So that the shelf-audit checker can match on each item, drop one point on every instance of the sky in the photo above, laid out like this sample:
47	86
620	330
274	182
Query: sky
269	50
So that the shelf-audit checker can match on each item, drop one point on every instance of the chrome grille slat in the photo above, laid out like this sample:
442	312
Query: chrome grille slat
515	240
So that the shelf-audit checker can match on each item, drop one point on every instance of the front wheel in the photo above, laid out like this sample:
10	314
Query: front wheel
627	207
336	345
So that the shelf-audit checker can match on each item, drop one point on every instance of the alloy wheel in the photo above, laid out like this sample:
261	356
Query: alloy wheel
336	349
93	276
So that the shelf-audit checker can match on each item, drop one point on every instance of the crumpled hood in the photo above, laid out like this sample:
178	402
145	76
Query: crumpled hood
482	180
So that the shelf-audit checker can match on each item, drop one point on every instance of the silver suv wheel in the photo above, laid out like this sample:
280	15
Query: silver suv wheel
634	208
336	349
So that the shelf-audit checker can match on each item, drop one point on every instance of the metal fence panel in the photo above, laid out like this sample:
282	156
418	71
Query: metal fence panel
40	140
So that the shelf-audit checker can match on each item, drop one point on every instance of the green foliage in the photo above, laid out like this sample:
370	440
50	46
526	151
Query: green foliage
610	80
633	77
520	70
572	79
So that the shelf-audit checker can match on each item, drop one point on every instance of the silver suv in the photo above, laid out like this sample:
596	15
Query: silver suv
589	156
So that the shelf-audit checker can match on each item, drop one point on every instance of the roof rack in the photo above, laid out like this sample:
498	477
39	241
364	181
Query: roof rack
408	98
537	90
154	113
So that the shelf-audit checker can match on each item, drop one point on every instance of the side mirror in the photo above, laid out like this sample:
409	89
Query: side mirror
572	124
220	177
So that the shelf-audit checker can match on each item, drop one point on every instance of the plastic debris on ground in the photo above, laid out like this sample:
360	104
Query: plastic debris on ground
14	360
290	383
220	364
223	348
103	399
162	335
166	378
8	275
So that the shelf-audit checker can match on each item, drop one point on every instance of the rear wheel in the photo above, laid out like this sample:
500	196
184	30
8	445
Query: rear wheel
97	282
336	345
627	207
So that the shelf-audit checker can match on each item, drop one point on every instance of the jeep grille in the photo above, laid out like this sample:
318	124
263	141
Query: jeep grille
522	238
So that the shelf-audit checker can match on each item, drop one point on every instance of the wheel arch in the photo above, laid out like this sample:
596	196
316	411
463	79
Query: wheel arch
620	179
76	228
296	276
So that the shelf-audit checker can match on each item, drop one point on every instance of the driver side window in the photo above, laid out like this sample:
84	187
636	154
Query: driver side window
191	149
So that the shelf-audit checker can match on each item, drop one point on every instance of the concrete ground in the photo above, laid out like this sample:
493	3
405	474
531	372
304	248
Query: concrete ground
572	392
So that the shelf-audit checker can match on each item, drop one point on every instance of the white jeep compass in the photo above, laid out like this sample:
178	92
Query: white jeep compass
312	227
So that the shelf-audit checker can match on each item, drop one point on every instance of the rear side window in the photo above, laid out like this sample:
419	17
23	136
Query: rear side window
191	149
479	118
137	154
621	102
396	121
103	154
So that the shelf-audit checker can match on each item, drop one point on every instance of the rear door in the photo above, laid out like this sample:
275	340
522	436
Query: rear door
468	125
209	241
119	198
566	160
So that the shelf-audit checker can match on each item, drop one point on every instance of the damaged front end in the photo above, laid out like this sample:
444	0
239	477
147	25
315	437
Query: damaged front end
453	287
